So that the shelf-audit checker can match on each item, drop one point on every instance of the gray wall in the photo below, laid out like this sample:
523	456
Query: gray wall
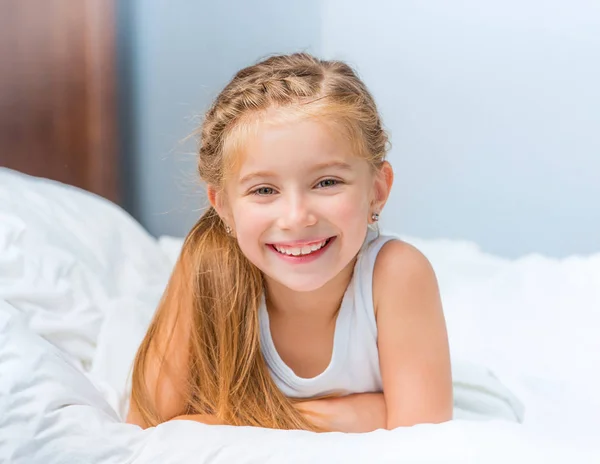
494	112
175	56
493	107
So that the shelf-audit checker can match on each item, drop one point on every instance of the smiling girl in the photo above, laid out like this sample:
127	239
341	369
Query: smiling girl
287	308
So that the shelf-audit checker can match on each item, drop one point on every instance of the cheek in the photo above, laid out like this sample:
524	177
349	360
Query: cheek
250	223
353	206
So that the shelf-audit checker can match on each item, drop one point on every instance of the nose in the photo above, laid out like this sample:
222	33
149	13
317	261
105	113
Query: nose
296	213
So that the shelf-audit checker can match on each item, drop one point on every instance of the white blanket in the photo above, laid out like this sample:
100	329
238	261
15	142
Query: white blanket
79	280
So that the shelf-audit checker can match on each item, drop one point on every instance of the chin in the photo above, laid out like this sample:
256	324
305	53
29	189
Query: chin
303	285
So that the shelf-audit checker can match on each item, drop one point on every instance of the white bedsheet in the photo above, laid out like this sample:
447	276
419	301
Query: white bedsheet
79	280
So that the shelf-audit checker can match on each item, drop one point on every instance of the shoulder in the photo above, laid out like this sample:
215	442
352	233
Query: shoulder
401	272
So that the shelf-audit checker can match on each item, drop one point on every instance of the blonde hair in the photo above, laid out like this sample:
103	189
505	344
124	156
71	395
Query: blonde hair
227	375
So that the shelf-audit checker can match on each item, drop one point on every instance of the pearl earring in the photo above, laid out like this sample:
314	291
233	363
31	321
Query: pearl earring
227	229
375	217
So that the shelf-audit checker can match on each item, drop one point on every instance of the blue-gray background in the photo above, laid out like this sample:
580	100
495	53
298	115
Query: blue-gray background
493	107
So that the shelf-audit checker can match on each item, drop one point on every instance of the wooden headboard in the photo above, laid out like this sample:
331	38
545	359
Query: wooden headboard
58	115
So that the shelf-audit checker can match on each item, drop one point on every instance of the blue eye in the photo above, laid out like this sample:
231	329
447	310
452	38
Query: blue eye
328	183
264	191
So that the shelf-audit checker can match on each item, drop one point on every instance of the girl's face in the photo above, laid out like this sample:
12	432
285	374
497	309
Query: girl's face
299	203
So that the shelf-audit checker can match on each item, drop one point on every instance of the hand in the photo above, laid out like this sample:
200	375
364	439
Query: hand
357	413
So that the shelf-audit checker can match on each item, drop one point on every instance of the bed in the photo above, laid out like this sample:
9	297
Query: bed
79	281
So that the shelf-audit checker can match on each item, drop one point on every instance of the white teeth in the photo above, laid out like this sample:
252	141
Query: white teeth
297	251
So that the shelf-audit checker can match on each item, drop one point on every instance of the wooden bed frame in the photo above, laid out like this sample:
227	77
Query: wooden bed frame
58	113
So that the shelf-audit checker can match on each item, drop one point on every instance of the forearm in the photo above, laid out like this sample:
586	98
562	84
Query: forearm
357	413
202	418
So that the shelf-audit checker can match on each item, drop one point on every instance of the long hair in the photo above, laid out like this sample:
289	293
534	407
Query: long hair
226	374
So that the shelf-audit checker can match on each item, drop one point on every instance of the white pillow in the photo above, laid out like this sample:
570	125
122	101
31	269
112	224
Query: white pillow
66	256
49	410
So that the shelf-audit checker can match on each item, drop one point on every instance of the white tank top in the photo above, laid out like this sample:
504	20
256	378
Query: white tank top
354	365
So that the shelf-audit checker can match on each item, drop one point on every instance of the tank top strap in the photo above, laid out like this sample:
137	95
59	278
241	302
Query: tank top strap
363	276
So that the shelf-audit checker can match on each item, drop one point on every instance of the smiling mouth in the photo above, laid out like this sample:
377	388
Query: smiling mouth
304	250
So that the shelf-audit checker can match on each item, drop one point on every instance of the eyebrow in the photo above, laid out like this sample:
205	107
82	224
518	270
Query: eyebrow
318	167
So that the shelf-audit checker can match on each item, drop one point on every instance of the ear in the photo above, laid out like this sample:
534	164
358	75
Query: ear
384	178
217	200
211	194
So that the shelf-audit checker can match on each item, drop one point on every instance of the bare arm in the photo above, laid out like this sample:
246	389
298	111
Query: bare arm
202	418
357	413
412	339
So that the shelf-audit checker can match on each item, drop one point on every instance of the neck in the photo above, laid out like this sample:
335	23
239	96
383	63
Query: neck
320	304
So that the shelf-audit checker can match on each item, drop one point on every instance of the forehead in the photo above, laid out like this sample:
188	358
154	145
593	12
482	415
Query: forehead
300	140
290	144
